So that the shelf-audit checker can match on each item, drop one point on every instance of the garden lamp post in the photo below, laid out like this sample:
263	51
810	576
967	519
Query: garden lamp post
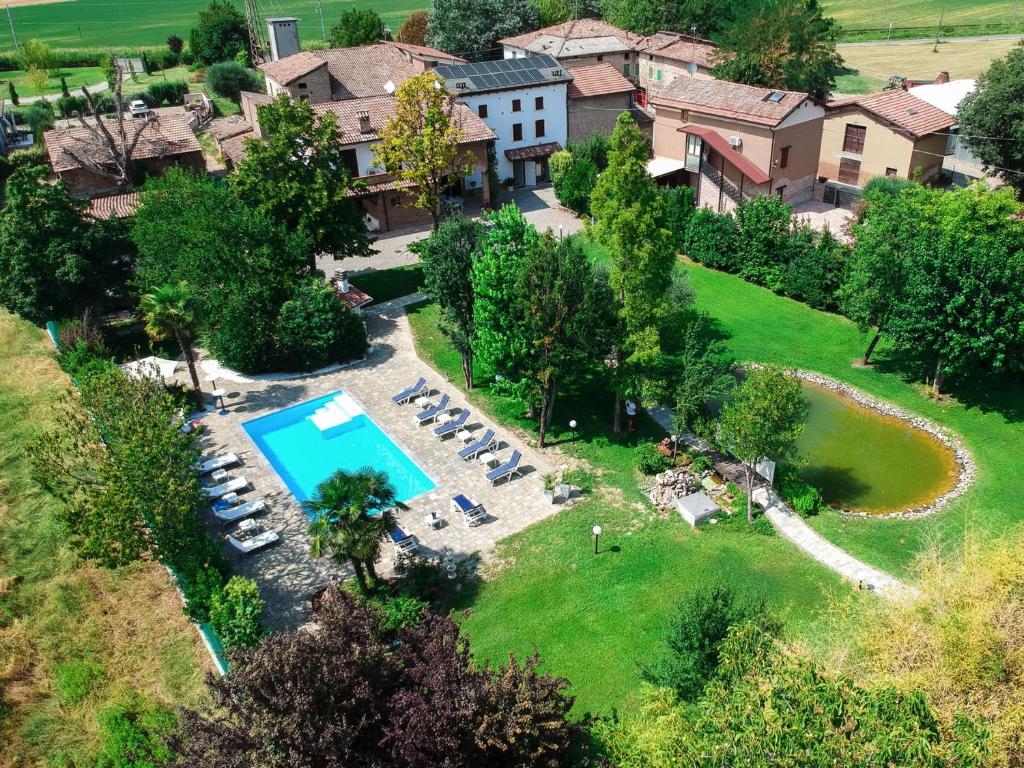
597	537
572	426
675	442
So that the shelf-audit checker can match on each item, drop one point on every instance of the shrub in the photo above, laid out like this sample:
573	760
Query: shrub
402	612
82	363
175	45
576	185
12	92
648	459
701	463
418	579
235	613
804	498
579	478
711	240
594	149
558	164
104	103
82	330
171	93
67	106
133	733
763	525
200	585
315	329
38	117
762	239
74	680
679	206
815	269
228	79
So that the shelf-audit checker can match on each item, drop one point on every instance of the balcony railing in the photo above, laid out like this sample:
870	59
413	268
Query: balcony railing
730	190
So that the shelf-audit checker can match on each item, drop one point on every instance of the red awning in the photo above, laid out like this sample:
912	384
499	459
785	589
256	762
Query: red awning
717	142
535	152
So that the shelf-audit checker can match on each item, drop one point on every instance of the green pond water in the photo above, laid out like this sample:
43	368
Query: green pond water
861	460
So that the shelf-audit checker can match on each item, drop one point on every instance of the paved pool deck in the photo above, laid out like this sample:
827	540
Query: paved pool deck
288	577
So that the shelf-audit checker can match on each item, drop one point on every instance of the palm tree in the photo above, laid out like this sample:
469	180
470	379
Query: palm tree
168	312
352	513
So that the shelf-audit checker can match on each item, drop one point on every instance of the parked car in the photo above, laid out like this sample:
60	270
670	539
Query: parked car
138	108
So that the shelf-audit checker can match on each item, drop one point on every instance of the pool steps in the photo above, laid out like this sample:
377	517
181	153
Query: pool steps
337	412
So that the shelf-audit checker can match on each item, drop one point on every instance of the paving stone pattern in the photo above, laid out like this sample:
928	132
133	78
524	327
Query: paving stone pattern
288	577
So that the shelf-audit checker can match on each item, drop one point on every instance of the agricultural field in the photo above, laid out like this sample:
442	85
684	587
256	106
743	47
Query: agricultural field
958	14
125	23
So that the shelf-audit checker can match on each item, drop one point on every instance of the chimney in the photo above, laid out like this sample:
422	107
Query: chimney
364	123
283	35
942	78
343	284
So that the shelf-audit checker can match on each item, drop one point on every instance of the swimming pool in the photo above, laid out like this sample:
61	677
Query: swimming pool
307	442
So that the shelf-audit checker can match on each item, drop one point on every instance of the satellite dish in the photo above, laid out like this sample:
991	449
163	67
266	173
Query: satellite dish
389	87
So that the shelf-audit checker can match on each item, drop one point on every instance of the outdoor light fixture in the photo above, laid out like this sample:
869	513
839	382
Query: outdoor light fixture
675	442
597	537
572	426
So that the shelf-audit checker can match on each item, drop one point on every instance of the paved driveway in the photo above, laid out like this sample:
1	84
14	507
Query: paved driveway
823	216
538	205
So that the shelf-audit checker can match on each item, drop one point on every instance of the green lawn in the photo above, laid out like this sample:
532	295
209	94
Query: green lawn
76	77
142	81
858	83
388	284
55	608
125	23
876	14
594	619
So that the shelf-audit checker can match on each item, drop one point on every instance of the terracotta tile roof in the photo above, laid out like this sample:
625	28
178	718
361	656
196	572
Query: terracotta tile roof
234	148
225	127
165	136
904	110
534	152
598	80
354	297
359	71
734	100
114	206
381	108
680	48
291	68
556	39
368	187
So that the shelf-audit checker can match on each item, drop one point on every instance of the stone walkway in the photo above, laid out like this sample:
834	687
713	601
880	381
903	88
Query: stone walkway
794	528
287	575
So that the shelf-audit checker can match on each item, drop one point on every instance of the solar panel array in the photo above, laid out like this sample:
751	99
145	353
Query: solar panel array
502	73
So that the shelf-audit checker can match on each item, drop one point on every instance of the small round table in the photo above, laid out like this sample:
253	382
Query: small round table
487	458
218	394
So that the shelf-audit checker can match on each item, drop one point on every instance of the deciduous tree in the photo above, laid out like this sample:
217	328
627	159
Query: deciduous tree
763	419
220	34
645	17
357	26
420	143
297	176
448	256
414	29
991	118
471	28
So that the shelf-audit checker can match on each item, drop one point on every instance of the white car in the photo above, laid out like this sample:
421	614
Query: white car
138	108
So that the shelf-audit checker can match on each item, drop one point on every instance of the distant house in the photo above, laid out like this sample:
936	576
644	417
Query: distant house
578	43
947	95
164	140
523	100
889	133
733	142
114	206
350	73
598	94
664	56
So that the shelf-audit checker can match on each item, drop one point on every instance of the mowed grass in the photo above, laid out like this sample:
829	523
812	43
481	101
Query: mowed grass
388	284
597	619
56	609
854	14
126	23
961	59
75	77
987	413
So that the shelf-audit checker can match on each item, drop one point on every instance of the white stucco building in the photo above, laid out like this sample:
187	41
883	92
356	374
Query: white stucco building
524	101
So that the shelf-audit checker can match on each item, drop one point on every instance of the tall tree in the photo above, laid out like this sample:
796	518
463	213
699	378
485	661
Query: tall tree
420	143
220	33
351	515
297	176
564	306
49	267
785	44
629	219
168	311
357	26
500	342
991	118
448	256
764	419
472	28
348	696
703	374
645	17
414	29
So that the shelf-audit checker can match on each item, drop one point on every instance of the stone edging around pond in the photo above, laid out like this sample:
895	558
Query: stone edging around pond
964	461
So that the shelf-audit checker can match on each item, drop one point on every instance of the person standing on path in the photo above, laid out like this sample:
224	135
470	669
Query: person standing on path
630	414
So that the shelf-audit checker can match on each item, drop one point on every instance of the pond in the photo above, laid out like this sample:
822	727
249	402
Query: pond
864	461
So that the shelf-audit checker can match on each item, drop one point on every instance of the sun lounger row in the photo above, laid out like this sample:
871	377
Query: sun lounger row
249	537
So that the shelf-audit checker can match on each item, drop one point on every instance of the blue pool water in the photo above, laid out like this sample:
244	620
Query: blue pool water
303	455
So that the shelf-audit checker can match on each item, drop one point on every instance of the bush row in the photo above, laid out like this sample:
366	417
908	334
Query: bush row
157	95
158	57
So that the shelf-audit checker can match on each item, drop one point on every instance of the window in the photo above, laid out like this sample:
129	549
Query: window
693	150
482	110
538	128
780	190
784	157
517	132
625	70
849	171
538	103
650	71
659	75
349	160
600	57
853	141
517	105
625	56
890	172
302	86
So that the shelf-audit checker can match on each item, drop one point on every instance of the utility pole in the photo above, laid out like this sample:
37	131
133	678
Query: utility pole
10	21
942	11
257	43
320	11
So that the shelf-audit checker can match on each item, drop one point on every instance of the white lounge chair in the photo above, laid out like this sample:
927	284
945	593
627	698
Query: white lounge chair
217	462
231	514
254	543
403	542
472	511
235	484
